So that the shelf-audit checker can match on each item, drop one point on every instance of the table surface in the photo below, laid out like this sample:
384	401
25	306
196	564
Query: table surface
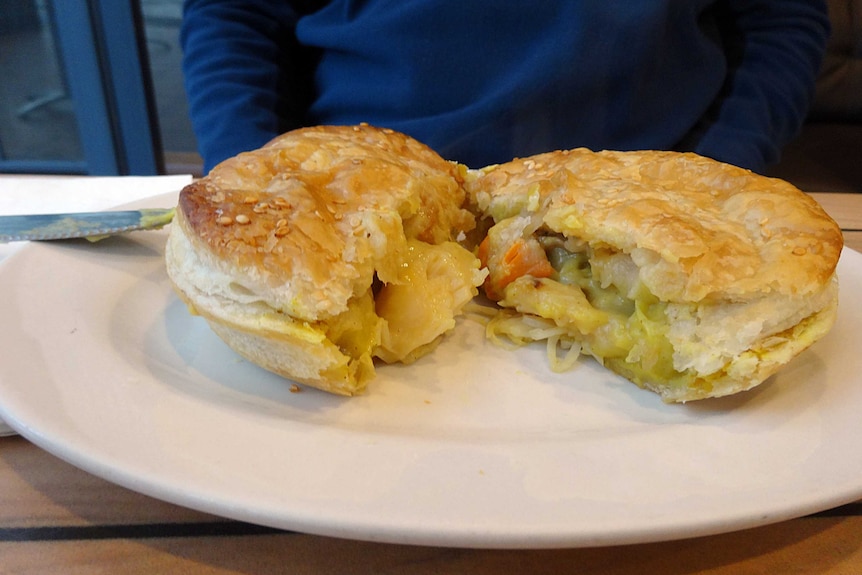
55	518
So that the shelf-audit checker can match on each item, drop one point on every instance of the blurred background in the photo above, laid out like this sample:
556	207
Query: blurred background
95	87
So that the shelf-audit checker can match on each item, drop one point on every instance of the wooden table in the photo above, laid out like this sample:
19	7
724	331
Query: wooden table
846	209
55	518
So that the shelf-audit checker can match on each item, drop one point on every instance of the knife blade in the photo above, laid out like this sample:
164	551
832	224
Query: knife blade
90	225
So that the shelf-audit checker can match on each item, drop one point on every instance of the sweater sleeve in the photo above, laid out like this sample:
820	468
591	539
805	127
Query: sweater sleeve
243	73
775	48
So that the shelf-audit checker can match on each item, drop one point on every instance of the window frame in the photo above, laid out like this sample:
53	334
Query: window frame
101	46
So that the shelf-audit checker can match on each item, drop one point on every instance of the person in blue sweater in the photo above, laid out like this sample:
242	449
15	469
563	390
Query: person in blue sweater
484	82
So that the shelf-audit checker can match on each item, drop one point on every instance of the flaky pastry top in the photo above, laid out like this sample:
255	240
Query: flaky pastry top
309	219
697	228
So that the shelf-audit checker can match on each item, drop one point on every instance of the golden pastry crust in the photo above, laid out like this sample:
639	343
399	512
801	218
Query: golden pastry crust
311	216
690	277
698	229
284	249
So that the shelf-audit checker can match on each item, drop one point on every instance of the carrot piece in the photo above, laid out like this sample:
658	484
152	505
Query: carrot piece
521	258
526	258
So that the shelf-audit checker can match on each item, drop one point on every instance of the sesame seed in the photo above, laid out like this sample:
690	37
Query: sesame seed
224	220
242	219
799	251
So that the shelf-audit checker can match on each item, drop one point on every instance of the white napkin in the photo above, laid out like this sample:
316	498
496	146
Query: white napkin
55	194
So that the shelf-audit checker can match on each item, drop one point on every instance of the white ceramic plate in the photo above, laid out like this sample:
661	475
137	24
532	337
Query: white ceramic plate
475	446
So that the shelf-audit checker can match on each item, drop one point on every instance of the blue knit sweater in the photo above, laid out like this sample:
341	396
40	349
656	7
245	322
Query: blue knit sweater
483	82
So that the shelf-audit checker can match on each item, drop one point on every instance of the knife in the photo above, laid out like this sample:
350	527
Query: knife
93	226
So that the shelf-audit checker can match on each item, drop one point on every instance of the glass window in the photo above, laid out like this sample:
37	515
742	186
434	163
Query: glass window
76	94
162	24
37	116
